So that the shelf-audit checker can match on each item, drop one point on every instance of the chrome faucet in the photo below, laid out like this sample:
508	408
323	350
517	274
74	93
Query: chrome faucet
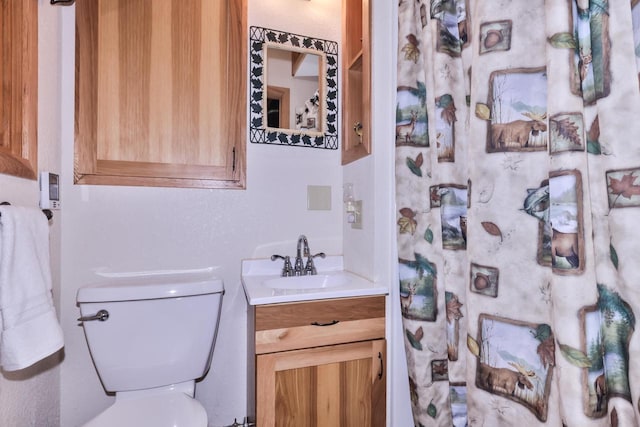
309	268
299	268
287	270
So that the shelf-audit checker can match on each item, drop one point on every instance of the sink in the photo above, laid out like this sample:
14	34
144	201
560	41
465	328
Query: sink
263	283
317	281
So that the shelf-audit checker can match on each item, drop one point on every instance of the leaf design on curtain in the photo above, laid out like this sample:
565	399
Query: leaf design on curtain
407	223
614	255
411	50
563	41
414	338
414	165
473	346
625	187
492	229
428	235
575	356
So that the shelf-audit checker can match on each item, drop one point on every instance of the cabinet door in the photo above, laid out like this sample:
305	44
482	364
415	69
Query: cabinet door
342	385
18	88
160	93
356	75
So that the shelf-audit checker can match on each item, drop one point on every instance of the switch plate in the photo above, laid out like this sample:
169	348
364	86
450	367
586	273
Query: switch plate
318	198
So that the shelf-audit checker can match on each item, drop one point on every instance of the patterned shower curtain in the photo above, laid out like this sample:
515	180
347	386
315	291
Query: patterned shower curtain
518	210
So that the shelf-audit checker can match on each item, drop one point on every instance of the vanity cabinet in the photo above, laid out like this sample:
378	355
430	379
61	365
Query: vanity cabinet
319	363
161	93
356	77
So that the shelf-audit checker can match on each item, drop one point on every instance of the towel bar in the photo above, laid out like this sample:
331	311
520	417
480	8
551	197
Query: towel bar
47	212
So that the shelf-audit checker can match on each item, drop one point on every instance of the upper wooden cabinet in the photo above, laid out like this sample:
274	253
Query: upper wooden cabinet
161	93
356	75
19	90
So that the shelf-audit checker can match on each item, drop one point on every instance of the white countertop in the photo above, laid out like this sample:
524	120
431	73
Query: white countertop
255	272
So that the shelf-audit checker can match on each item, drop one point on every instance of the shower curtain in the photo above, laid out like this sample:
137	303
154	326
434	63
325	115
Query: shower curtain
518	210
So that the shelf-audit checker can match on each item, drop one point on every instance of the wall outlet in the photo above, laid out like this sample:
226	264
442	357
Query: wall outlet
355	217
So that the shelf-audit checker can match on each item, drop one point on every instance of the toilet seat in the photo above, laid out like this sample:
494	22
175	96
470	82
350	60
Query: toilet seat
172	409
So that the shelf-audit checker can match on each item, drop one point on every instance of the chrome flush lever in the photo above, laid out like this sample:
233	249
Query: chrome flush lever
101	315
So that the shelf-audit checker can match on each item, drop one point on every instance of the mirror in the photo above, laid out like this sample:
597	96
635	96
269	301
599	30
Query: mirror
294	91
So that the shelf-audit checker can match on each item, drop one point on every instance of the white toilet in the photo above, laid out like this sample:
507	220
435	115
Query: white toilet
150	337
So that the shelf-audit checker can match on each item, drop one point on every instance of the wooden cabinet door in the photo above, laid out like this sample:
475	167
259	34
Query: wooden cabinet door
19	88
342	385
356	75
160	93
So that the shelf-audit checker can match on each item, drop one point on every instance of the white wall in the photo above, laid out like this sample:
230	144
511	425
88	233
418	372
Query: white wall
371	251
31	397
129	229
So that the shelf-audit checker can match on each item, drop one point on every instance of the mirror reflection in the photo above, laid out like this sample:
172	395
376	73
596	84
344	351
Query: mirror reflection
294	90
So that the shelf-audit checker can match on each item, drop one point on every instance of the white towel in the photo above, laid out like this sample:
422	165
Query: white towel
30	329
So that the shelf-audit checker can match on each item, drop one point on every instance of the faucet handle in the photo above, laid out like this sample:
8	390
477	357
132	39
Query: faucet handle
287	269
310	268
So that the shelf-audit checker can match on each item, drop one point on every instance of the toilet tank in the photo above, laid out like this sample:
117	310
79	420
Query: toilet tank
161	328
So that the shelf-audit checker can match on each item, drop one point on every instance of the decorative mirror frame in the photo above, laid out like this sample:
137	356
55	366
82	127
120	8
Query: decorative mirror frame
259	133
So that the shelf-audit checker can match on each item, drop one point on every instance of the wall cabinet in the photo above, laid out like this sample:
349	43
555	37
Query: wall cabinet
161	93
19	88
356	77
319	363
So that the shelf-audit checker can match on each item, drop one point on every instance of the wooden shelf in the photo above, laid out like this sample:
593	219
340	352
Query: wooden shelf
356	62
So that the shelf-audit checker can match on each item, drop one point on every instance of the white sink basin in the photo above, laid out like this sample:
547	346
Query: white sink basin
263	283
317	281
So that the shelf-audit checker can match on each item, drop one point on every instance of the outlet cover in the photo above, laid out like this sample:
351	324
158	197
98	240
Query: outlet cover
357	223
318	198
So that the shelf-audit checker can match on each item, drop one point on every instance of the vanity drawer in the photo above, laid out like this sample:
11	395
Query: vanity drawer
281	327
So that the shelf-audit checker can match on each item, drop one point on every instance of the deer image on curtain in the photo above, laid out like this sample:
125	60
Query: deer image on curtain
518	196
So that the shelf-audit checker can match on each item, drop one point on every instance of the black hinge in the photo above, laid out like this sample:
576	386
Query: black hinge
233	165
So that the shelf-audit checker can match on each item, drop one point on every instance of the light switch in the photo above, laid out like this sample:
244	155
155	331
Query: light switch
318	198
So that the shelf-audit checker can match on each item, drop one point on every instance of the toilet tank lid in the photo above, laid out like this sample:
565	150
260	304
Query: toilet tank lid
150	285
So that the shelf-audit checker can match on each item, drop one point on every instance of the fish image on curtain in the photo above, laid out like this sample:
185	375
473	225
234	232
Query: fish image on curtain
418	291
516	361
606	329
557	204
516	111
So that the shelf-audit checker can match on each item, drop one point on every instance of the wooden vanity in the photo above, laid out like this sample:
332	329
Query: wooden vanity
318	363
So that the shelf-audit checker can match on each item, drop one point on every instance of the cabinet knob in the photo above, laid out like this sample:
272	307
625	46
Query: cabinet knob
381	372
357	128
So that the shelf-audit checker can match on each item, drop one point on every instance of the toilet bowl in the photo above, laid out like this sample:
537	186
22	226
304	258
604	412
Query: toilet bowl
151	337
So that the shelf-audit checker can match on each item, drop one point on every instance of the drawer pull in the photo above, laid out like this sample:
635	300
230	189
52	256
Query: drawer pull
381	373
333	322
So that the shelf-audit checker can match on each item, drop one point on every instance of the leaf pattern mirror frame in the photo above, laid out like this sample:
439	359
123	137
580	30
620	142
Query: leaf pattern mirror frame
328	51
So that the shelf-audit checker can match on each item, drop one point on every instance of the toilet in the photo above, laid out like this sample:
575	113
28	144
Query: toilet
151	336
